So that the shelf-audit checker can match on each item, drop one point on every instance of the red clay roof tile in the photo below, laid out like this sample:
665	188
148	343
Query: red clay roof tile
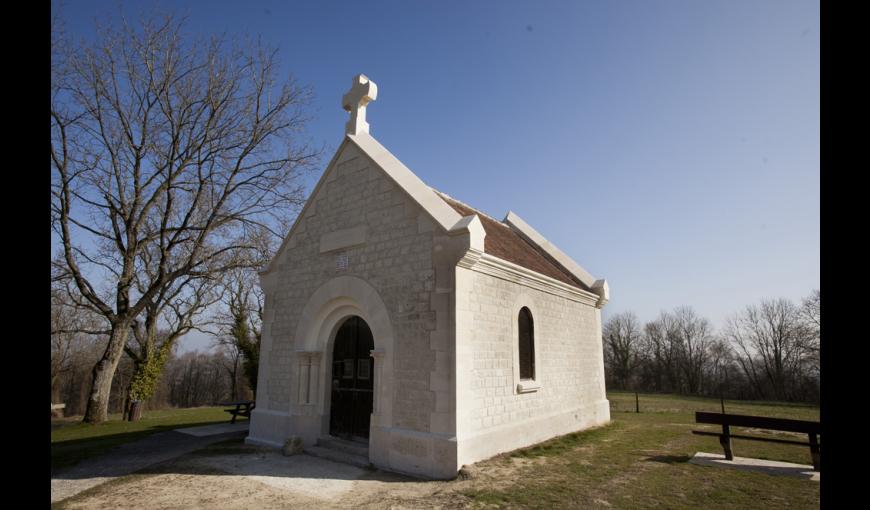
501	241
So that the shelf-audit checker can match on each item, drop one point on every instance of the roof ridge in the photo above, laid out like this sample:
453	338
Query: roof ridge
475	209
497	249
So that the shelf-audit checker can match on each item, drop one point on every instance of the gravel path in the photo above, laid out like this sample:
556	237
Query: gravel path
129	458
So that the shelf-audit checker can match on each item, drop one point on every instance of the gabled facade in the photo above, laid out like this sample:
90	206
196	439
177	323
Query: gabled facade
404	320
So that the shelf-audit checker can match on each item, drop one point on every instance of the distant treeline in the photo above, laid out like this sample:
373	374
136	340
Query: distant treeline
191	379
768	351
151	371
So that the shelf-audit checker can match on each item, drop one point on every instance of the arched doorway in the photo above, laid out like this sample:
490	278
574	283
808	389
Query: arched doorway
352	381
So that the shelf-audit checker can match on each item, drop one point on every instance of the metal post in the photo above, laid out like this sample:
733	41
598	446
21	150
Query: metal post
636	403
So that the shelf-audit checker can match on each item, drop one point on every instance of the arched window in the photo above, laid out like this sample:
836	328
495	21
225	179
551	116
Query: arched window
527	344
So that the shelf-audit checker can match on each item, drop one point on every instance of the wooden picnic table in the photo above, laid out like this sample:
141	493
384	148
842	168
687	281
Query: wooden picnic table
248	406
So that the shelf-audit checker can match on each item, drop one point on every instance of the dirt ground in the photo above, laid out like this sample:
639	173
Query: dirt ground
253	477
640	460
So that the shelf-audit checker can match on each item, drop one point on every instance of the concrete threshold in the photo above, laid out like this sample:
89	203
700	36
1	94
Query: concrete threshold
342	457
770	467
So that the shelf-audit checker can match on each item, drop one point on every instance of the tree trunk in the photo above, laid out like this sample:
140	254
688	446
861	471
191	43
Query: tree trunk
55	389
126	411
104	372
135	411
55	396
235	379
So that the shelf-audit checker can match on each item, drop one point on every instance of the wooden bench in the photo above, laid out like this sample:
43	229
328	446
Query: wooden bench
248	406
813	429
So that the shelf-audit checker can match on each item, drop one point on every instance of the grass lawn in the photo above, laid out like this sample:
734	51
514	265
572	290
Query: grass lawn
637	461
72	440
641	460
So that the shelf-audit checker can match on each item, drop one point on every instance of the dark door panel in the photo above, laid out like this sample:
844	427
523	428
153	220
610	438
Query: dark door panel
352	380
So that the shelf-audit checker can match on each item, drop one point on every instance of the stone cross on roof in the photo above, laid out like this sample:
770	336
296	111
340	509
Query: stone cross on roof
361	92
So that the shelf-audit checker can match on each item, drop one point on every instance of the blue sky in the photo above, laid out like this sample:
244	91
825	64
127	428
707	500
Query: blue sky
671	147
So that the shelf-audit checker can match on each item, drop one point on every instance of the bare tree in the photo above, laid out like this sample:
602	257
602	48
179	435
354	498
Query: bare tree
719	371
622	347
677	346
767	351
75	332
62	345
240	321
695	335
178	308
811	312
195	379
770	341
231	361
663	348
66	340
188	151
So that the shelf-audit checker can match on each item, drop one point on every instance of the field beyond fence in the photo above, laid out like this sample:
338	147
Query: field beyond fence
624	401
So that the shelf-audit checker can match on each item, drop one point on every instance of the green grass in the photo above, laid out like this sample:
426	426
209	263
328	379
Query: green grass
641	460
73	441
637	461
624	401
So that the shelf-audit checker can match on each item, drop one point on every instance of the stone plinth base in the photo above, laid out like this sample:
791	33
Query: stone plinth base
770	467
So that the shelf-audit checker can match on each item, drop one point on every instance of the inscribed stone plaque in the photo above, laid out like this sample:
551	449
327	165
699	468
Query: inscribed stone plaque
341	262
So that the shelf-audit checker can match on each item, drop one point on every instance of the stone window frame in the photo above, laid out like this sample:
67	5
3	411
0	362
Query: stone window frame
526	349
534	384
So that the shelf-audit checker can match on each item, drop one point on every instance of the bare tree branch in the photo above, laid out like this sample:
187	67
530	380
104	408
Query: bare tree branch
171	154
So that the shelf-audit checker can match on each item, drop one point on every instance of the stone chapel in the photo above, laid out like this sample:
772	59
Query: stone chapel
414	332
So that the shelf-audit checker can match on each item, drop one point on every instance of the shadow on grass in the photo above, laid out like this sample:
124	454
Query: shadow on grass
566	443
669	459
69	453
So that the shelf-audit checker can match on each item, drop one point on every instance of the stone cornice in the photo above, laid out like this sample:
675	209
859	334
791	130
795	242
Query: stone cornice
471	227
314	355
470	258
502	269
532	236
599	287
603	290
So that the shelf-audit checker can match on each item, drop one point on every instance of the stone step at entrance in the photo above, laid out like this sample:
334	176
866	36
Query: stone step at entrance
340	450
343	445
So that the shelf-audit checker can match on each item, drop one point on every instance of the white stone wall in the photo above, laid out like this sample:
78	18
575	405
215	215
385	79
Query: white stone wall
493	416
396	259
358	202
451	361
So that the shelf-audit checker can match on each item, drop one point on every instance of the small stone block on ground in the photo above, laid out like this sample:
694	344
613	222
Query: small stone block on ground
770	467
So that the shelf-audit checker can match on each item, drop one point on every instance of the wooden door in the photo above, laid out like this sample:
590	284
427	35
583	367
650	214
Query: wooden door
352	381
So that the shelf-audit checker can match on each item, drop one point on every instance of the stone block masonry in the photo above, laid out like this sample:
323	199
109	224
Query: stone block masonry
493	416
396	259
376	242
